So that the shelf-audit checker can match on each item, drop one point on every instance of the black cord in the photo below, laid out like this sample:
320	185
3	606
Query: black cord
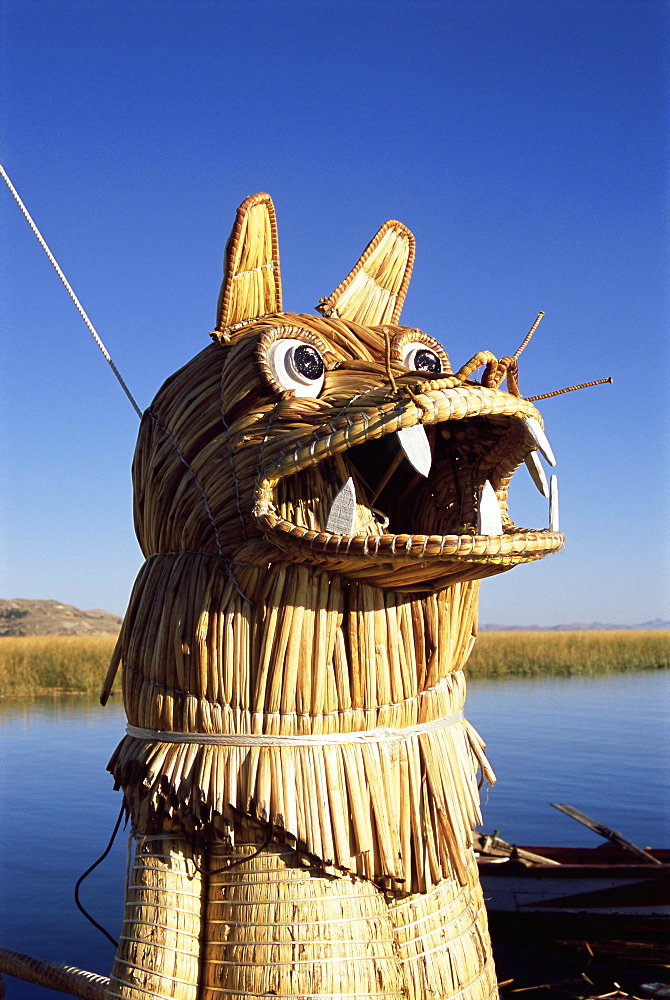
202	871
233	864
88	872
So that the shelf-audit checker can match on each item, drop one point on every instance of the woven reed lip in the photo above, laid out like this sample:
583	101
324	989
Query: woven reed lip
439	401
509	548
448	399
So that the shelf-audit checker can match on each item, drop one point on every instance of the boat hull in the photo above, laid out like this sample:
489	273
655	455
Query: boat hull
600	882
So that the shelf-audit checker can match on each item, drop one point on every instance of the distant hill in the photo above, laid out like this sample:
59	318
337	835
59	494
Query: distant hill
657	623
25	617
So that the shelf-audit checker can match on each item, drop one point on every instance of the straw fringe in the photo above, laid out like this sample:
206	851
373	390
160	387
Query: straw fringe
443	941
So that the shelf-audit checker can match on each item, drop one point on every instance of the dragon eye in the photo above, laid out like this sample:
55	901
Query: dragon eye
296	365
421	359
306	362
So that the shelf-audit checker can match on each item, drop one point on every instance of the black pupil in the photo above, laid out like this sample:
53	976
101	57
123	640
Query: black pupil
308	362
427	361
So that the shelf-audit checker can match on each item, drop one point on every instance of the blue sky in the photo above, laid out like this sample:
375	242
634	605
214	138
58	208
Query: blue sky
525	145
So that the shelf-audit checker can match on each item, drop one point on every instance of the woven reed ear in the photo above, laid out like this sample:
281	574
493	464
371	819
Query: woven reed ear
251	285
374	291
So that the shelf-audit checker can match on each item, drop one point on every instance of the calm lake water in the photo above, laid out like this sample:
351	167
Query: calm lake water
601	744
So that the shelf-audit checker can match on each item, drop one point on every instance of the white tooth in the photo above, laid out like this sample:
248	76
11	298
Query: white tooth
342	512
553	504
537	473
489	518
540	439
416	447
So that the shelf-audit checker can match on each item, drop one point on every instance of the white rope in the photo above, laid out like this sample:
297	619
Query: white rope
380	735
69	289
245	994
429	915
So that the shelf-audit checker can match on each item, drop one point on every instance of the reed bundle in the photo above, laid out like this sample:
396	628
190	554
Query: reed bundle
159	947
300	778
269	912
62	978
316	655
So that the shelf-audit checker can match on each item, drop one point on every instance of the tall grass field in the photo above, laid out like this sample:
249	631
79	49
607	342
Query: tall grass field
33	665
54	665
567	654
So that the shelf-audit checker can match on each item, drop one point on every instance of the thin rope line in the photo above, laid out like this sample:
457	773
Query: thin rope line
152	994
303	943
423	934
153	923
380	735
205	500
69	289
429	916
559	392
154	972
472	927
167	857
168	907
308	961
291	923
298	899
141	887
175	444
167	947
228	991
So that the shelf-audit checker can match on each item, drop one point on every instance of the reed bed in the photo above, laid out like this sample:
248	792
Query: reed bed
568	654
33	665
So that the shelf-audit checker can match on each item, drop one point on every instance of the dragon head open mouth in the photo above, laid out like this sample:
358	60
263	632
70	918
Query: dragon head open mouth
392	477
344	440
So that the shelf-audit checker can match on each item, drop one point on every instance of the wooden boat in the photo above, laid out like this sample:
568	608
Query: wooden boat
606	908
615	896
598	881
615	880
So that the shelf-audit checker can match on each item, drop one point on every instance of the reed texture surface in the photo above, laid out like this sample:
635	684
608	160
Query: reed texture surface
271	923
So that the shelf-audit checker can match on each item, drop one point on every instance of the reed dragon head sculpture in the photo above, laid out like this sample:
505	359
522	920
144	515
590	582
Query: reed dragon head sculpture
317	498
344	441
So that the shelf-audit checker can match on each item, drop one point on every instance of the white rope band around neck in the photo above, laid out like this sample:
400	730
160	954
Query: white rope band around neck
380	735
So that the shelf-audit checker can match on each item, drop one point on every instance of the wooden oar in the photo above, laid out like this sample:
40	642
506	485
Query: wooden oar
604	831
